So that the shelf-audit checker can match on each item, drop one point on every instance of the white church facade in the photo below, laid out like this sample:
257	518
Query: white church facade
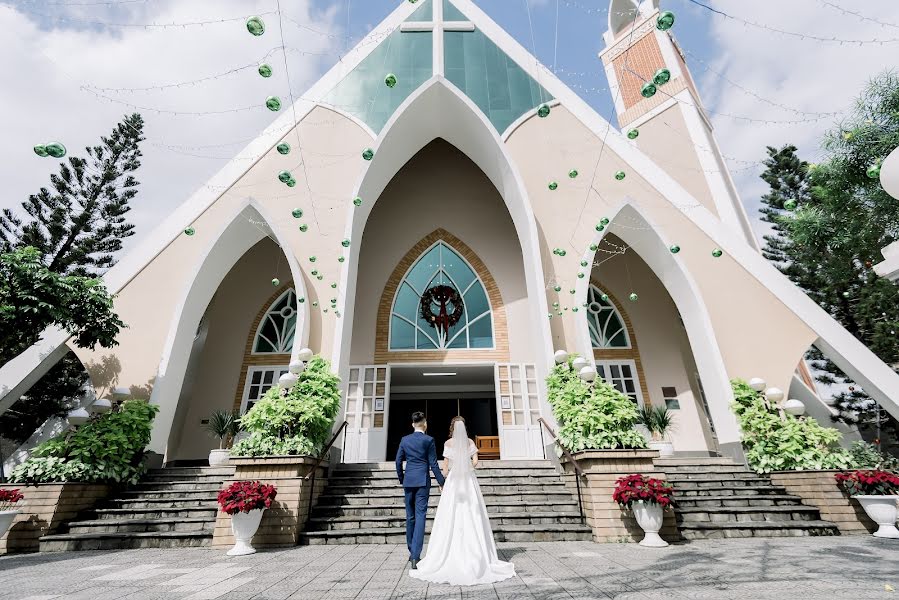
442	237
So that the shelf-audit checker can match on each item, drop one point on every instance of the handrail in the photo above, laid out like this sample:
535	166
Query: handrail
577	468
327	449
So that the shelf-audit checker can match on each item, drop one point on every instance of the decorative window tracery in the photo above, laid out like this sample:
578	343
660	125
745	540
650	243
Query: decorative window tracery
607	328
278	327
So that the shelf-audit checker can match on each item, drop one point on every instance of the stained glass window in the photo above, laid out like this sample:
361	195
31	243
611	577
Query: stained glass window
278	326
607	328
440	265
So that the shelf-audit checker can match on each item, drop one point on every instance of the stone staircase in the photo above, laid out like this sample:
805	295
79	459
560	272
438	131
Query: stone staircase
719	498
174	507
526	500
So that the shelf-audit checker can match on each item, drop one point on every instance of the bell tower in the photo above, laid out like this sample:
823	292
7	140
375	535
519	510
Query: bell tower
657	101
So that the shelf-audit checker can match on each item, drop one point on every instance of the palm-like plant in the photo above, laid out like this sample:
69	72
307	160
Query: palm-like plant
657	419
224	425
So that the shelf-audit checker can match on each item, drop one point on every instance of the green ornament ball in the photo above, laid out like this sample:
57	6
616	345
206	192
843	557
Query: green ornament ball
790	204
297	213
341	259
619	175
284	176
256	26
562	252
594	247
319	276
717	253
314	273
357	201
584	263
633	297
368	154
560	313
543	111
276	282
283	148
574	309
555	305
600	227
553	186
665	21
291	182
558	288
313	258
324	310
333	286
189	231
604	297
662	76
674	249
301	300
604	220
573	173
873	171
390	80
55	149
333	300
648	90
633	134
580	275
265	70
273	103
41	150
550	316
572	291
315	304
345	243
304	228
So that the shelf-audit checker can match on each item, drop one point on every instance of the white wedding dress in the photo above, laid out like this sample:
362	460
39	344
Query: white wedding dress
461	550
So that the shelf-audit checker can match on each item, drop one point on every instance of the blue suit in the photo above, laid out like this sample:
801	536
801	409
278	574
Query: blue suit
420	453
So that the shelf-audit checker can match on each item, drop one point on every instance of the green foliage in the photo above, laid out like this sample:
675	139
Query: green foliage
107	449
829	244
657	419
869	456
784	443
296	423
591	415
223	425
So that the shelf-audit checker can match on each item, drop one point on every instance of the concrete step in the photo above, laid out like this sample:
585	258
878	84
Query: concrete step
379	522
212	487
481	472
492	464
738	500
524	478
694	460
65	542
187	472
168	502
501	533
690	469
486	489
169	495
530	498
747	513
196	525
685	491
193	512
399	510
683	483
734	476
745	529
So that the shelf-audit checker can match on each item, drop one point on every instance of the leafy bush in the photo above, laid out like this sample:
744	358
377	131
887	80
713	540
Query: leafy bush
640	488
591	415
244	496
775	442
297	422
869	483
869	456
107	449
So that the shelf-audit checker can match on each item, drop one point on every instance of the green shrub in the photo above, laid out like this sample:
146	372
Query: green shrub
869	456
591	416
784	443
107	449
296	423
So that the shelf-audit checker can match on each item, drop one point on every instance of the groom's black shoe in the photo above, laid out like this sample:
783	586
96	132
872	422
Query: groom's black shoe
414	565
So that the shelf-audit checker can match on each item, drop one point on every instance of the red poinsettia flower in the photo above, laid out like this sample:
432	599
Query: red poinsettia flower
634	488
244	496
869	482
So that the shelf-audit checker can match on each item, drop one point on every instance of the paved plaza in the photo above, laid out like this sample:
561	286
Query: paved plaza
798	568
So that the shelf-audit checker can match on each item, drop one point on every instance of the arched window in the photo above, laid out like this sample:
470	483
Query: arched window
607	329
441	275
278	326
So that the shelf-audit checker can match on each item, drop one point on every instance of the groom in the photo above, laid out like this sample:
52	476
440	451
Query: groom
420	453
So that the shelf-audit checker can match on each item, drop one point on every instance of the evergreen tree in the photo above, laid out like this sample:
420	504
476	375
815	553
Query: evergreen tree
828	224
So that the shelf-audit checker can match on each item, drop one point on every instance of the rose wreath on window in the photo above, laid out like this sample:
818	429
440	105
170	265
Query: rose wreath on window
244	496
869	483
634	488
441	296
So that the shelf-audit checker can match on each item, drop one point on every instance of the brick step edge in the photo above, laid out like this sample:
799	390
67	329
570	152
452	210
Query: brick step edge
558	528
758	525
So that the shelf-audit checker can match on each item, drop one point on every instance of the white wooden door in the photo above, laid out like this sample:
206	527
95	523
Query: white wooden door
367	406
518	408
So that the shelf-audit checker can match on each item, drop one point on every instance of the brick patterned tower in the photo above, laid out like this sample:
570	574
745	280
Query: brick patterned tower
674	128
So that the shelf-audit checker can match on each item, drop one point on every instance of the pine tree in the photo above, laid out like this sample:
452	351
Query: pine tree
80	223
829	222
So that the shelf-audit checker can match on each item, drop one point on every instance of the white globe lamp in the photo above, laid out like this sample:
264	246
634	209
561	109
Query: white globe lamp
587	374
296	367
287	381
121	392
305	355
79	416
102	405
758	384
560	356
794	407
579	363
774	395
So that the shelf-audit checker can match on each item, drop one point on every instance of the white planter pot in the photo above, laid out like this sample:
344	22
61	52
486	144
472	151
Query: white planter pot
6	519
219	457
664	448
244	526
883	511
649	517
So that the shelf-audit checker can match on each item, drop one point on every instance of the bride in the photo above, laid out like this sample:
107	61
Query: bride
461	550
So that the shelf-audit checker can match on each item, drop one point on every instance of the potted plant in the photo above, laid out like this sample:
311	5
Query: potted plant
878	493
8	512
658	420
225	426
245	501
647	498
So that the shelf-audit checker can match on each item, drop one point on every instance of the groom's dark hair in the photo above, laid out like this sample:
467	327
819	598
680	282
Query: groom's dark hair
417	417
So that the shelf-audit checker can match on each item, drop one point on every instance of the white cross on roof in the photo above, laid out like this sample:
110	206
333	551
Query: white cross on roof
438	26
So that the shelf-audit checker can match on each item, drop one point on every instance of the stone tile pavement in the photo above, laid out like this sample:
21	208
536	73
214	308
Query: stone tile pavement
757	569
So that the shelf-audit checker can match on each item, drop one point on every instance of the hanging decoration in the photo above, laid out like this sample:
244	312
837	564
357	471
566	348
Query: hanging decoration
441	296
674	249
297	213
273	103
189	231
553	186
357	201
604	220
276	282
648	90
633	134
543	111
41	150
368	154
619	175
662	76
633	297
291	182
255	25
284	176
265	70
717	252
790	204
573	173
665	20
599	227
283	148
390	80
53	149
560	252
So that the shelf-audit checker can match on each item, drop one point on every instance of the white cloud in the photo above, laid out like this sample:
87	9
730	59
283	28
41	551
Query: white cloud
54	58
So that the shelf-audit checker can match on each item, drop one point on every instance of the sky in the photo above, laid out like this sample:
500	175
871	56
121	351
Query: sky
71	69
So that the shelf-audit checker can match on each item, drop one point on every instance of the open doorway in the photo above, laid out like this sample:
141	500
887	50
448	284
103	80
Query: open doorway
443	393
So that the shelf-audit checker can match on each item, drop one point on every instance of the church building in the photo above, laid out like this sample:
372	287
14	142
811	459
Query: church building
438	216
